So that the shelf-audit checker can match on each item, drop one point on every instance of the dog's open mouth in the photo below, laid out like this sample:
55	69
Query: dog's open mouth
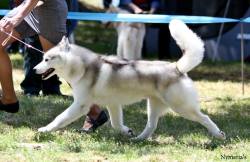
47	73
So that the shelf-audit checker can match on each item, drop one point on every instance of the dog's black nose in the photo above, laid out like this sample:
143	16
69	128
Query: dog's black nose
34	70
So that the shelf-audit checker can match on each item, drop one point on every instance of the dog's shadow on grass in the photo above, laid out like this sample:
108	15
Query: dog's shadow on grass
39	111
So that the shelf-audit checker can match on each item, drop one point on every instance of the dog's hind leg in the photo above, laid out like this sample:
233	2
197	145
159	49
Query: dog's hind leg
204	120
155	109
72	113
116	118
183	99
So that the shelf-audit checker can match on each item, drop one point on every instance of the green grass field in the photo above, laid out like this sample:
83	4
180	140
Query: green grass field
175	139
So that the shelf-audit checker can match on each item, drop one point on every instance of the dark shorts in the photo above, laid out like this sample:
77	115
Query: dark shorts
47	20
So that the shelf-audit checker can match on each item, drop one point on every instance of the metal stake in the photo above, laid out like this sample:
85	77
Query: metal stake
242	58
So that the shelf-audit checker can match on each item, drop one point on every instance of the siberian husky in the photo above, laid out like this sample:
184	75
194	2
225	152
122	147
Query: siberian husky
130	40
113	82
130	36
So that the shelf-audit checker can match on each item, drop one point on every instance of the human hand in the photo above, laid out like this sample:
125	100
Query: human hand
8	24
144	12
138	11
152	11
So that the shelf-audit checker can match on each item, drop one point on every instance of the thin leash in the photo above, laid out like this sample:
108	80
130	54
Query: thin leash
19	40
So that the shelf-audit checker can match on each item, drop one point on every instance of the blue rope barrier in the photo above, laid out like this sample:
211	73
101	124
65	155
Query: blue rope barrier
146	18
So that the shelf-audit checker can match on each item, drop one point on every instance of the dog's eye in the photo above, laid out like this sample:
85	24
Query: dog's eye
46	60
53	57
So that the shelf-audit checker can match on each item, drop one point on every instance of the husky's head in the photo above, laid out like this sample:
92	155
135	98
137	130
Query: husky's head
53	60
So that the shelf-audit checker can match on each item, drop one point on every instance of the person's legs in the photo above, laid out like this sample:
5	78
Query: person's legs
8	93
32	83
45	43
52	85
164	42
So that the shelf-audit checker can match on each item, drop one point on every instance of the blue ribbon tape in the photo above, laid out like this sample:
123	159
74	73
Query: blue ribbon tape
3	12
145	18
246	20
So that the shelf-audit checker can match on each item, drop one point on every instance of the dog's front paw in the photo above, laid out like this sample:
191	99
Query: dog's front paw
141	137
127	131
221	135
130	133
137	138
43	129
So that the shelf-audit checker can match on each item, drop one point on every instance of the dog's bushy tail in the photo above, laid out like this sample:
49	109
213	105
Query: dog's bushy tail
191	45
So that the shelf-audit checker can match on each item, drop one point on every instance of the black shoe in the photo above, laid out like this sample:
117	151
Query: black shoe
10	108
53	93
90	125
56	94
31	94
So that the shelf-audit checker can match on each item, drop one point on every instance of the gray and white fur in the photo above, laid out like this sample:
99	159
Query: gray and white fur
114	82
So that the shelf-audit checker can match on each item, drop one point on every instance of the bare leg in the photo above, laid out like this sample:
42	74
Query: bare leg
6	79
94	112
45	44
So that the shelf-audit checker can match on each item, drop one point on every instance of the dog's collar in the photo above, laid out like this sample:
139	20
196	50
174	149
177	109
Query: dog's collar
177	69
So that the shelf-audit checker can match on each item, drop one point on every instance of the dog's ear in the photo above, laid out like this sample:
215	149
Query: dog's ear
64	44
